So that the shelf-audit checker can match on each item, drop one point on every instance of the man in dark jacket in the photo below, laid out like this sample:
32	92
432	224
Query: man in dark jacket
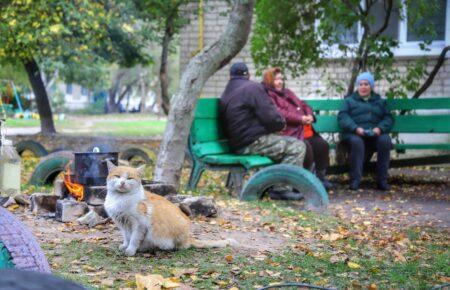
251	121
366	122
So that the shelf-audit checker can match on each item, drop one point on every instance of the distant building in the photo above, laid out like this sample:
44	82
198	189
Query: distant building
308	85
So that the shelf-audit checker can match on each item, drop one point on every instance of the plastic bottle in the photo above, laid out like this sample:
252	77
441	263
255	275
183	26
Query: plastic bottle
9	168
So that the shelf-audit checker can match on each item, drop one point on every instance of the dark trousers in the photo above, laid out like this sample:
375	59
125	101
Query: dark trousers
362	148
317	152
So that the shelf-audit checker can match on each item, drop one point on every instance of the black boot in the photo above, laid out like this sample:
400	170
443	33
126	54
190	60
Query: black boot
323	177
285	195
354	184
383	185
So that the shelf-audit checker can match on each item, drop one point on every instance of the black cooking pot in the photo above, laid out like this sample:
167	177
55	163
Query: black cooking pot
91	167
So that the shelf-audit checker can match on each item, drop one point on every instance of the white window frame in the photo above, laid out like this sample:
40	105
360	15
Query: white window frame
406	48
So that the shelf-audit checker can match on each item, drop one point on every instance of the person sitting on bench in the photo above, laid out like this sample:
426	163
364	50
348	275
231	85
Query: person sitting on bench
366	122
252	123
299	118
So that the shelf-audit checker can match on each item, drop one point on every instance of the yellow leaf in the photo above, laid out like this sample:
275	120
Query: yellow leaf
373	286
169	284
353	265
234	288
149	282
55	28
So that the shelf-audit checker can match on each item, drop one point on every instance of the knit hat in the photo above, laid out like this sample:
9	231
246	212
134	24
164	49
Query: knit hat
366	76
239	69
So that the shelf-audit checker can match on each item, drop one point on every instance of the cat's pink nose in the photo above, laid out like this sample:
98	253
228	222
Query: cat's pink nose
122	183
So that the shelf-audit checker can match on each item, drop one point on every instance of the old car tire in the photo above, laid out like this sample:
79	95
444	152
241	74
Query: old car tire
47	170
24	250
299	178
33	146
130	153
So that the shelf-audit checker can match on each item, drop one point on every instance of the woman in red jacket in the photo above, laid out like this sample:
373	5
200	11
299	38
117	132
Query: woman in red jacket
299	118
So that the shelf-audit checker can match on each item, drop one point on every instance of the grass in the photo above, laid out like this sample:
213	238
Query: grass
307	257
87	261
116	125
130	128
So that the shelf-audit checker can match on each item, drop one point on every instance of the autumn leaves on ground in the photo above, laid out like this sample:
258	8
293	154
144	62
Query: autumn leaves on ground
365	240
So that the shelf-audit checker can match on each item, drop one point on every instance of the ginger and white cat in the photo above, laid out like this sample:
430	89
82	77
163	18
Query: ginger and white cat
147	221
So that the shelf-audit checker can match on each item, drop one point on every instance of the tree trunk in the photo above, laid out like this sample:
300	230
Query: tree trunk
163	75
199	69
42	102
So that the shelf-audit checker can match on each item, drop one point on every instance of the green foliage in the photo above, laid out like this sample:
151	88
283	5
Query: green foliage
51	28
300	35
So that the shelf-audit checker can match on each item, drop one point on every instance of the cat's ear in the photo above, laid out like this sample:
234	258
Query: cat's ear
110	165
141	170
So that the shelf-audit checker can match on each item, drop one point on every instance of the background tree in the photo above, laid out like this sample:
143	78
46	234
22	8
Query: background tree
35	30
166	19
298	35
199	69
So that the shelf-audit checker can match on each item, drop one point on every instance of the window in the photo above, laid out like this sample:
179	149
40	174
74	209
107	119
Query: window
435	21
409	30
84	91
378	15
69	89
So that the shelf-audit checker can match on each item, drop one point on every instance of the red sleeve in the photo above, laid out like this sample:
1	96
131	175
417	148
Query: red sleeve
292	117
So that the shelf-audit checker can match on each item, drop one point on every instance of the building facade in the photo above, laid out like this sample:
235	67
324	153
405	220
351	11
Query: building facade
205	28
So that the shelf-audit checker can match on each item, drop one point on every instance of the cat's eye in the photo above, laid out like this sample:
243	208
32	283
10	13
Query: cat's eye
129	178
117	176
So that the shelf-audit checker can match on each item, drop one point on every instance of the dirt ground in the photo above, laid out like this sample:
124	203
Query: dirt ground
418	198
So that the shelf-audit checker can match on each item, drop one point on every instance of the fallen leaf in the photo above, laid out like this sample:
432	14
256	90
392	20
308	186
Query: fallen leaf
353	265
229	258
168	283
107	282
149	282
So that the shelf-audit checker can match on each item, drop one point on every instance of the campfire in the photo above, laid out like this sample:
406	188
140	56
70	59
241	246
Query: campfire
75	189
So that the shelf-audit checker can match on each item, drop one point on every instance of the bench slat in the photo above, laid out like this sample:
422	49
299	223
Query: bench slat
208	148
393	104
207	108
403	124
205	130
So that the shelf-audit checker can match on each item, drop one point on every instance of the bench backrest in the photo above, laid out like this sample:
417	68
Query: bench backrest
207	135
326	113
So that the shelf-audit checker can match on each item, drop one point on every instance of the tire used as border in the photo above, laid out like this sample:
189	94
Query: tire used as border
297	177
31	145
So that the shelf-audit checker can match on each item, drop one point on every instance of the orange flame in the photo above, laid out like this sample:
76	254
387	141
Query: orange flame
75	189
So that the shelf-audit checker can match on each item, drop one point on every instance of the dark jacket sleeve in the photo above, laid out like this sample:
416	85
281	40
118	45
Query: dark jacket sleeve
265	110
387	122
345	120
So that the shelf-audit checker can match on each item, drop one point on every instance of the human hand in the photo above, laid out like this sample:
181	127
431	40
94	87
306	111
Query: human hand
360	131
377	131
307	119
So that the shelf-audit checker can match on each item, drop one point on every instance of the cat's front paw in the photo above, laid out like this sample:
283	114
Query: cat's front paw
130	252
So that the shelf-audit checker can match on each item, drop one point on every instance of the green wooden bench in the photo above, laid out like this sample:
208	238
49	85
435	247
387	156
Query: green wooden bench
209	150
427	121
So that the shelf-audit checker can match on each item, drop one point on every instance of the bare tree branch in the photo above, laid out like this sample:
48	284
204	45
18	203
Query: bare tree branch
433	73
386	20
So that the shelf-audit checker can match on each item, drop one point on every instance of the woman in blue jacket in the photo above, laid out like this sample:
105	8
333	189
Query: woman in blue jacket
366	122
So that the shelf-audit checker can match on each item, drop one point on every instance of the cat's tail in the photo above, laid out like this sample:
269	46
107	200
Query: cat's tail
212	243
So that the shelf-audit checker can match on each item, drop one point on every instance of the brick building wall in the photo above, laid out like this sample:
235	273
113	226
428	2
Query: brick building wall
313	84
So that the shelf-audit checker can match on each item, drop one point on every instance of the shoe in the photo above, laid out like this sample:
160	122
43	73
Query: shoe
383	185
354	185
285	195
322	177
